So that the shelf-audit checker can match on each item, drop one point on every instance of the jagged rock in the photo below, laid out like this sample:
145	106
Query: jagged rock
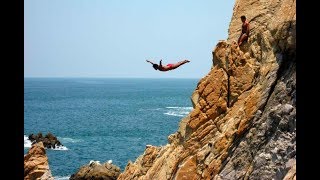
243	125
95	170
291	175
36	163
49	140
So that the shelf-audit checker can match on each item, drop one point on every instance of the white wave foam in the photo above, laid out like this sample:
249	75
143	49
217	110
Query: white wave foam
61	177
178	111
27	142
60	148
151	109
68	140
173	114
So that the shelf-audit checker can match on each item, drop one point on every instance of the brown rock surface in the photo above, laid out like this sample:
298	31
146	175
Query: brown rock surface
243	122
36	166
95	170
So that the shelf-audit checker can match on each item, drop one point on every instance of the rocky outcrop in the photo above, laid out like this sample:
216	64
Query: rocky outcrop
243	125
36	166
95	170
49	140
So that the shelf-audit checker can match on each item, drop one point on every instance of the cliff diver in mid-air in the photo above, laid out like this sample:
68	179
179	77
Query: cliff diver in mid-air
167	67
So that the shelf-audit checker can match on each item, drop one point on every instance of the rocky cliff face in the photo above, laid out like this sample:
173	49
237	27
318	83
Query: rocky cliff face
36	164
243	125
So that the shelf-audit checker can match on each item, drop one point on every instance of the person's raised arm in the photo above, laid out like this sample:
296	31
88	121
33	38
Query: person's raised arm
149	61
160	62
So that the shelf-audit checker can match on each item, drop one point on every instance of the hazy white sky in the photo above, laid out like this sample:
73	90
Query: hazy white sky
113	38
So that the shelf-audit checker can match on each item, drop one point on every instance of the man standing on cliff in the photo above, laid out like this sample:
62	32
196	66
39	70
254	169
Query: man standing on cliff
244	30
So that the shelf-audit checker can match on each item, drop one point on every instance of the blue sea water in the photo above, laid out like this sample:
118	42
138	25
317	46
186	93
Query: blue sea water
103	119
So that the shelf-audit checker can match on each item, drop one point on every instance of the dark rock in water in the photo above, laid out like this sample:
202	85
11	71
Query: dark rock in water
95	170
49	140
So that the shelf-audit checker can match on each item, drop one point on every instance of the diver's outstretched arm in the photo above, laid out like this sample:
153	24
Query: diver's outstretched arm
149	61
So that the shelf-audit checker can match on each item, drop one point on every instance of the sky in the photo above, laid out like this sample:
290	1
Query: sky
113	38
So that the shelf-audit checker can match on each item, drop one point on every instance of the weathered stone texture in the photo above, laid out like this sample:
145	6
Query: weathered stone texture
243	125
36	166
95	170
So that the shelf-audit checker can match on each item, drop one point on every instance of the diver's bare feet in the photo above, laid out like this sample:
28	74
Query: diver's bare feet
186	61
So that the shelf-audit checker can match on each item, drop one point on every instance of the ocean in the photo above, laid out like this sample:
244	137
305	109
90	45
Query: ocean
103	119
